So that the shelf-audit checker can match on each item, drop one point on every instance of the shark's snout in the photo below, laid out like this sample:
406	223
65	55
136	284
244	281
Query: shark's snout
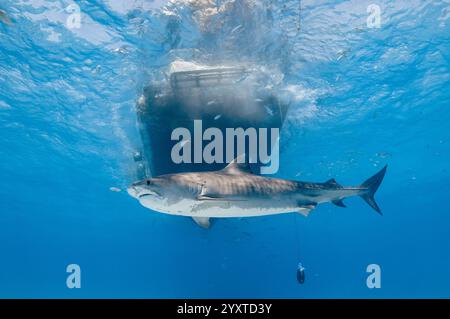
135	189
132	191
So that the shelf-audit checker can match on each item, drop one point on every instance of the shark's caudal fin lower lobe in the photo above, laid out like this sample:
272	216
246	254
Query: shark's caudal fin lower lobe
372	185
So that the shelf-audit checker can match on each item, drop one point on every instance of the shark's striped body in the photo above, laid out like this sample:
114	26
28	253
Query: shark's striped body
236	192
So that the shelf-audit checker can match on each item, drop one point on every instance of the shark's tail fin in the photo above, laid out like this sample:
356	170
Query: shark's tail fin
372	185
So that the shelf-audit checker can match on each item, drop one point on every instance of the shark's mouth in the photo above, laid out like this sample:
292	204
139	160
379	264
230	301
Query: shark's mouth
149	193
140	193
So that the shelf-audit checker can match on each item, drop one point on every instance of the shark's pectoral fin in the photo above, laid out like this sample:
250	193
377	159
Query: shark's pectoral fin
211	198
338	202
202	221
306	209
205	195
217	198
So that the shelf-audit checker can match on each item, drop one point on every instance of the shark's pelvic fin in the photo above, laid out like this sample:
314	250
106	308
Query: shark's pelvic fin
372	185
202	221
339	202
238	166
306	209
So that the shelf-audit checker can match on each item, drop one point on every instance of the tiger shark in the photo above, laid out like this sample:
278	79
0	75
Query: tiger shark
236	192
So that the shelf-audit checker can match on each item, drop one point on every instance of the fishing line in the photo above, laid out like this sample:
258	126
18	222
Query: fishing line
300	268
297	237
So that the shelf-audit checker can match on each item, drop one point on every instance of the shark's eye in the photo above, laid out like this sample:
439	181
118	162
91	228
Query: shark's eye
148	182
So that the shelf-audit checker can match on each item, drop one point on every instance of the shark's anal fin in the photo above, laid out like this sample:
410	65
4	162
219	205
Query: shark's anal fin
338	202
202	221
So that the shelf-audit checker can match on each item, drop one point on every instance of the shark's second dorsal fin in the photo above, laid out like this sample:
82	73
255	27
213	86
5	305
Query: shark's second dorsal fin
332	182
238	166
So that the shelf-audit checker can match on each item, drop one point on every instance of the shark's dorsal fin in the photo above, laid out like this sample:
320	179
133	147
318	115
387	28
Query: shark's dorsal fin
332	182
238	166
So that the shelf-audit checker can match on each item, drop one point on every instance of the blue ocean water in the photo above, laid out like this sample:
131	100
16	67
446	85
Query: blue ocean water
363	97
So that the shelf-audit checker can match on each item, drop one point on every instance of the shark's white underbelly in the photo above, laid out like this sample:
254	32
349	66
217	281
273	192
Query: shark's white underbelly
239	211
206	208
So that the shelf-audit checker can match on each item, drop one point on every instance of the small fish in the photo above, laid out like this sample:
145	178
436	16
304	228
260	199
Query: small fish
383	154
217	117
236	29
121	50
115	189
97	69
242	78
269	110
4	18
342	54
